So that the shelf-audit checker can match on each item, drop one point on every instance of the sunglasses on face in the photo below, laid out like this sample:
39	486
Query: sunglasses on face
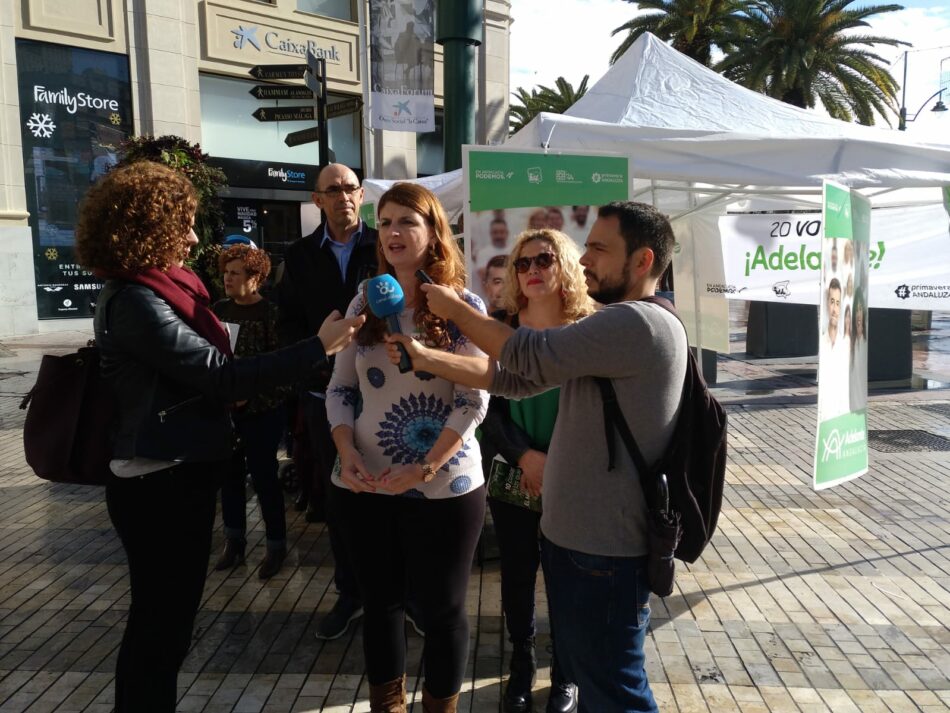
542	260
337	191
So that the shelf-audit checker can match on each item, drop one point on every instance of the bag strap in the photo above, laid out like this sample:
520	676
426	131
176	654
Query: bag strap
613	415
613	419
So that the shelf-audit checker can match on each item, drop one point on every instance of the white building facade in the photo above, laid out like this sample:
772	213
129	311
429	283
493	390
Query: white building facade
77	78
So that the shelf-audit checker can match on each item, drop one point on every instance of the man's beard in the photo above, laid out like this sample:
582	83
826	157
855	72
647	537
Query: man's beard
610	292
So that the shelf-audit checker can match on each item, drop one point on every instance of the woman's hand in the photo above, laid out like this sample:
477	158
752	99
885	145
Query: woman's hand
443	301
417	352
532	471
353	472
336	333
401	478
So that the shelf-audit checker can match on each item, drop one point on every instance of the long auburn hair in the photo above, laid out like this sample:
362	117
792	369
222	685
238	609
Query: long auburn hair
443	263
575	301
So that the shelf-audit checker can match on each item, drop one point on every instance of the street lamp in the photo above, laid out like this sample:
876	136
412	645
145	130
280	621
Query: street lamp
938	107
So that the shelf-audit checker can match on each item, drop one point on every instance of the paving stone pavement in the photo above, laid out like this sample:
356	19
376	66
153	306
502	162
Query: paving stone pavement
805	602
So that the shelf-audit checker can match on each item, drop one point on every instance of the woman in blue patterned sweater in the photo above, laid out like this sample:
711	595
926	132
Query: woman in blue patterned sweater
410	485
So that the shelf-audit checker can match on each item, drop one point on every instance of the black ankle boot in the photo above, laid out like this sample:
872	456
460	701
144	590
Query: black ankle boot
273	559
524	664
563	695
233	554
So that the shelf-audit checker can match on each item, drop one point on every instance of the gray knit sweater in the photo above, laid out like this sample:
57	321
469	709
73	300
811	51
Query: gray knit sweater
642	347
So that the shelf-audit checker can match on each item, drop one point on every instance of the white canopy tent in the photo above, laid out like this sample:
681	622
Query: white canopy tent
698	142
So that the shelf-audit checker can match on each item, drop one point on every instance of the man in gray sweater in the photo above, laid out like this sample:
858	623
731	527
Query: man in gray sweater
594	520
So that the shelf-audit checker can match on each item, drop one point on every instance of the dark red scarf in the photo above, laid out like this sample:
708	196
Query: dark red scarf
186	294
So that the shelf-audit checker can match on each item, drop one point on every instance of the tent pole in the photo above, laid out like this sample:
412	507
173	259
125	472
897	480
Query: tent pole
693	207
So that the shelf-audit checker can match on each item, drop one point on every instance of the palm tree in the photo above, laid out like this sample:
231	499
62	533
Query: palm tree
555	100
692	26
805	51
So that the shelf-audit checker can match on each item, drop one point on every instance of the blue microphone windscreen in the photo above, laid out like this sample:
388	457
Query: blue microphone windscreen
385	296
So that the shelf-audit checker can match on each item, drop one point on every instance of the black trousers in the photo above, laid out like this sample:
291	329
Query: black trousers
430	544
324	455
520	552
164	521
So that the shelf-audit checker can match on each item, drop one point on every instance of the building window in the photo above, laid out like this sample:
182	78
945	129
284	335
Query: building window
341	9
430	153
228	129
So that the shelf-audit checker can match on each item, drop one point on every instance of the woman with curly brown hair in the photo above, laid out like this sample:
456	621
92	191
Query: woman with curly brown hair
168	360
259	423
409	485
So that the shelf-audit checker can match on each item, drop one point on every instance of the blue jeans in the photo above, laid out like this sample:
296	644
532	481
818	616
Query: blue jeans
600	613
260	436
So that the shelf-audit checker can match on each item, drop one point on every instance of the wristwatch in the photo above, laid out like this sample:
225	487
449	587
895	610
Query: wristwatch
428	472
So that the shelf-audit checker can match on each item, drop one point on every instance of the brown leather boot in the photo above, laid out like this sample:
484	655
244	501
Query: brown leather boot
388	697
430	704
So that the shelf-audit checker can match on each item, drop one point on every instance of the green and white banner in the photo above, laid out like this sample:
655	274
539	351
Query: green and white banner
511	191
776	257
842	449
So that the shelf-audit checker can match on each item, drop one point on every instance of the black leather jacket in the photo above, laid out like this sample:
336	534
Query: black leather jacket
173	387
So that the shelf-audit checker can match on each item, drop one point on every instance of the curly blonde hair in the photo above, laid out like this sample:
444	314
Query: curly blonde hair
575	301
256	262
137	217
443	263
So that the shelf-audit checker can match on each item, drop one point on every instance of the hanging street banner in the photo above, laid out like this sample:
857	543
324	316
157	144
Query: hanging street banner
511	191
402	65
776	257
284	113
75	112
841	452
270	72
280	91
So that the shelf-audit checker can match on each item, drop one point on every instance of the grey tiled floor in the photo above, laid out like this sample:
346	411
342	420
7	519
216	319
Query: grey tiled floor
832	601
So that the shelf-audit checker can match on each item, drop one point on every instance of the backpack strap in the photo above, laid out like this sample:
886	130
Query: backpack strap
613	419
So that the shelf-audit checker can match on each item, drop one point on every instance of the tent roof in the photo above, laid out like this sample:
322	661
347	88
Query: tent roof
654	85
679	120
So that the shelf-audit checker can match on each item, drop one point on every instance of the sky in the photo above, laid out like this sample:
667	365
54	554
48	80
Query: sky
575	40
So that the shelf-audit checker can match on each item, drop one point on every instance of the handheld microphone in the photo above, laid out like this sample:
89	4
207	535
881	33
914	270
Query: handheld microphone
387	301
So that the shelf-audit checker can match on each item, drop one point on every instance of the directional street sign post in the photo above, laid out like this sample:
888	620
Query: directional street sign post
284	113
316	79
304	136
314	74
347	106
280	91
267	72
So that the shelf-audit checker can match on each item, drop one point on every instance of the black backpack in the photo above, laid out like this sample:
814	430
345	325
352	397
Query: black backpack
694	462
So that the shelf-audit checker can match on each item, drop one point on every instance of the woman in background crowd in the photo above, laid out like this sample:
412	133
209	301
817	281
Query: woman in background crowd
259	423
168	359
410	486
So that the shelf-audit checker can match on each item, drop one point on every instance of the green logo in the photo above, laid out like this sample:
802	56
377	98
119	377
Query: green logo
505	179
837	212
368	214
842	447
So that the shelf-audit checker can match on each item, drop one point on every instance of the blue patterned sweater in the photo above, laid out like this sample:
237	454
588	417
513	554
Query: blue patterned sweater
401	415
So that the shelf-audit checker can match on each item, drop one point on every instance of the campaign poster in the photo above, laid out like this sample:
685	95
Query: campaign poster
402	65
513	191
75	111
776	257
842	448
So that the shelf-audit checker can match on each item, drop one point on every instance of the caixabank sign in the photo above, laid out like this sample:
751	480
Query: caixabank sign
236	36
75	111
